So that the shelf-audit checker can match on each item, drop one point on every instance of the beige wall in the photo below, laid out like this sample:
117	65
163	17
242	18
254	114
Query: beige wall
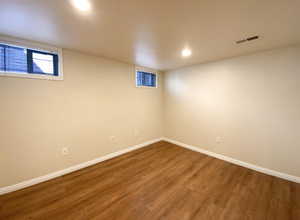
96	100
251	102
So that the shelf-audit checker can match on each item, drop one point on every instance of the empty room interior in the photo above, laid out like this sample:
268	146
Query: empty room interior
147	110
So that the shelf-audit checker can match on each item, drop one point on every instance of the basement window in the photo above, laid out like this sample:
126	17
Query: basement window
146	79
20	61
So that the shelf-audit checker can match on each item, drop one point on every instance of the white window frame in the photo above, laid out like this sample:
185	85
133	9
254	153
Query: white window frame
144	69
34	46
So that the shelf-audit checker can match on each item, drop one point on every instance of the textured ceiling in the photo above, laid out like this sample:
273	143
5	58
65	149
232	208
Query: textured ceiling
153	33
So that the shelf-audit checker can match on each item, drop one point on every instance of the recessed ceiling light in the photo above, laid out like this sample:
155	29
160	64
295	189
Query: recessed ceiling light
82	5
186	52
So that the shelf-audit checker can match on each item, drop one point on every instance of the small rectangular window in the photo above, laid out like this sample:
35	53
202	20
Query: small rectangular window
23	61
146	79
14	59
43	63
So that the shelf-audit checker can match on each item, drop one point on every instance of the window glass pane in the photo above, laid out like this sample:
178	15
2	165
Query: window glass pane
139	78
153	78
1	57
15	59
146	79
42	63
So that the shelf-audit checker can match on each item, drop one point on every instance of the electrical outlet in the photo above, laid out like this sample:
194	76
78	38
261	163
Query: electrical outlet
112	139
218	140
65	151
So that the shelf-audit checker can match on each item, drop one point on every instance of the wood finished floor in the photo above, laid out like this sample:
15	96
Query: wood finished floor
162	181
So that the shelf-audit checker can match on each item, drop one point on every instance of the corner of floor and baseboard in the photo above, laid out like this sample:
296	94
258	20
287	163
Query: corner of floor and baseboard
34	181
37	180
267	171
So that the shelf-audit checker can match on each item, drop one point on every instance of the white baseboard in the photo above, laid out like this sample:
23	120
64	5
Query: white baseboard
237	162
28	183
50	176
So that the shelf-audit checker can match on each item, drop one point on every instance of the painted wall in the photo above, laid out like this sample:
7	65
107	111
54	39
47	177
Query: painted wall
251	103
247	108
97	99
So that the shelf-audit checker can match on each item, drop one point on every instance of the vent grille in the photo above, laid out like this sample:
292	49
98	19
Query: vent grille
247	39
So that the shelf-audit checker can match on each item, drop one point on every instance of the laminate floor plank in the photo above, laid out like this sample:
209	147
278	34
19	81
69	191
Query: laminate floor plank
159	182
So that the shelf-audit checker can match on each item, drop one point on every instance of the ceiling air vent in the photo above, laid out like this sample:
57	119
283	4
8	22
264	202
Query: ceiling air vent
247	39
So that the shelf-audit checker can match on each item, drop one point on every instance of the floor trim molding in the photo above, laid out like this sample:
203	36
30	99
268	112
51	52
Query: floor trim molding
34	181
237	162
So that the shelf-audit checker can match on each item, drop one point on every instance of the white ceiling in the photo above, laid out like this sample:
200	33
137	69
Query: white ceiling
152	33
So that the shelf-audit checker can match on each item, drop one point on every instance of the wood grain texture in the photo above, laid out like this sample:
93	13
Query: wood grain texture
162	181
